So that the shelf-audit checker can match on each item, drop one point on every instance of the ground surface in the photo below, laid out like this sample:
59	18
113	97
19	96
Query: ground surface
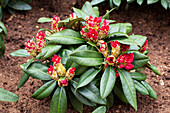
152	21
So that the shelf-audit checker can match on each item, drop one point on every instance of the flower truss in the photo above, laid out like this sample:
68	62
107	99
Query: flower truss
88	59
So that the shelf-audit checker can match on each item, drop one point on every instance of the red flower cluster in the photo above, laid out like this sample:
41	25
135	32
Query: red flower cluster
92	31
144	46
115	48
115	43
54	23
72	70
125	61
125	47
56	59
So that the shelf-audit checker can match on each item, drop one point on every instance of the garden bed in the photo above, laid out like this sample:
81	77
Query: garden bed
152	21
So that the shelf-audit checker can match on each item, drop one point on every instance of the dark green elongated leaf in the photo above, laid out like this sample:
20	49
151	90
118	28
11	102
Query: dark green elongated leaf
59	101
119	93
138	76
81	98
139	60
37	70
107	81
152	1
164	4
95	2
110	100
45	90
92	44
44	19
96	11
75	102
153	68
152	93
87	8
28	63
101	109
117	2
139	39
66	37
87	77
23	80
140	88
90	91
4	3
19	5
64	56
87	58
80	13
72	22
1	13
120	27
140	2
3	28
8	96
2	46
20	53
130	1
128	87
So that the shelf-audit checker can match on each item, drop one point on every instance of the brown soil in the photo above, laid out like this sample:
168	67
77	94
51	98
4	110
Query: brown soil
152	21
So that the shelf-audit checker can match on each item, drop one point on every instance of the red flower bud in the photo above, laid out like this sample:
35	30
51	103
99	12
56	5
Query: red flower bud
72	70
115	48
110	60
55	22
31	47
62	83
50	70
56	59
70	73
125	47
144	46
117	74
115	43
61	28
40	45
40	36
73	16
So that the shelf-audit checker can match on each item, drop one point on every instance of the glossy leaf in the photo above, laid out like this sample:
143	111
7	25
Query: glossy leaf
107	82
59	101
2	46
164	4
78	106
128	87
45	90
140	88
8	96
44	19
117	2
23	80
87	8
1	13
101	109
140	2
66	37
87	58
139	60
153	68
87	77
72	22
138	76
20	53
152	1
4	3
96	11
130	1
95	2
19	5
110	100
139	39
120	27
152	93
26	65
80	13
37	70
3	28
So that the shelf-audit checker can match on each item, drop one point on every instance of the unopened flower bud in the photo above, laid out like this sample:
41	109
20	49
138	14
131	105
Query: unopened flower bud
117	74
103	49
62	83
31	47
125	47
70	73
73	16
40	45
110	60
40	36
115	48
143	48
56	60
104	29
61	70
52	73
54	23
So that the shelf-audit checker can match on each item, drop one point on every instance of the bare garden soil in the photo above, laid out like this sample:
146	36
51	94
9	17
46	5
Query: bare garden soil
152	21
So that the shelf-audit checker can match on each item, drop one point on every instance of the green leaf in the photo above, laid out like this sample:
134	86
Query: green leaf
110	100
152	1
37	70
128	87
67	37
164	4
120	27
101	109
152	93
130	1
139	60
153	68
72	22
44	19
75	103
80	13
90	91
19	5
66	20
3	28
87	77
140	2
45	90
117	2
139	39
8	96
119	93
4	3
2	46
138	76
59	101
87	8
96	11
140	88
107	82
95	2
87	58
1	13
23	80
26	65
20	53
49	51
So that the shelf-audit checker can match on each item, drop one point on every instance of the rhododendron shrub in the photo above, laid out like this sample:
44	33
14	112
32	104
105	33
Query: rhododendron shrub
88	59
